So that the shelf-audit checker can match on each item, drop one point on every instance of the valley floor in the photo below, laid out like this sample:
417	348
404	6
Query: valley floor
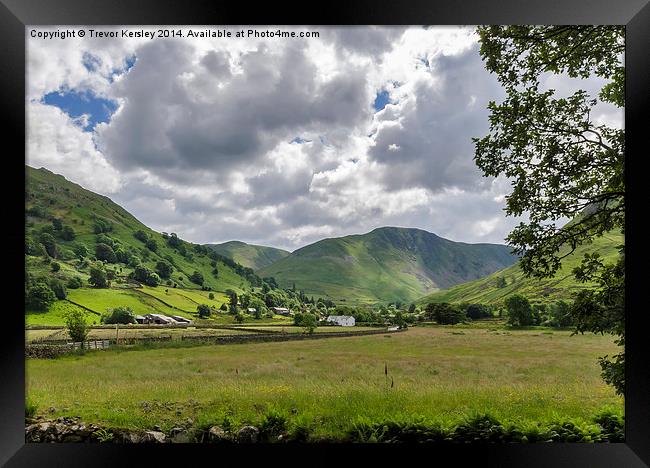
428	374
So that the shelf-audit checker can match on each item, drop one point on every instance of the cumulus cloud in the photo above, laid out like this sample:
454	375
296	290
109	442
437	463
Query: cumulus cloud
278	142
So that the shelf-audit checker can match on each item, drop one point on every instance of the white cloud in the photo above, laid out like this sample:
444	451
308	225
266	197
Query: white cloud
277	142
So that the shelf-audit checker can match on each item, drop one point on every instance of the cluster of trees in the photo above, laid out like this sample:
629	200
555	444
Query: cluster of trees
307	320
118	315
520	312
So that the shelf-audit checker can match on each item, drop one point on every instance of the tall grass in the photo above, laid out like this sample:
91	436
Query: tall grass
425	375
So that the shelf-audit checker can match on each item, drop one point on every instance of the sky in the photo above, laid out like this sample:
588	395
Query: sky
276	141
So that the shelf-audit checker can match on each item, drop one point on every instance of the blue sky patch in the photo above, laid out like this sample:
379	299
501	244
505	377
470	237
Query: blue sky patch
381	100
91	62
299	141
76	104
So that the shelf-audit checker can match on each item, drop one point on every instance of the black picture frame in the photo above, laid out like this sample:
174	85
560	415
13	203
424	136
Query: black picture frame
16	14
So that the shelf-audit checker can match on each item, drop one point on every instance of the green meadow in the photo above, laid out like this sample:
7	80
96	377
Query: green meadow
436	375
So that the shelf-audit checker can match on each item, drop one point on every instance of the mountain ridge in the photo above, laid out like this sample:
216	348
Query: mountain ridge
386	264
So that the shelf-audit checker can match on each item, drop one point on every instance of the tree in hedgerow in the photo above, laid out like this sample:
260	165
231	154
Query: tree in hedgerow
477	311
445	313
204	310
559	315
98	277
232	301
309	322
122	315
520	312
75	322
239	317
562	162
40	296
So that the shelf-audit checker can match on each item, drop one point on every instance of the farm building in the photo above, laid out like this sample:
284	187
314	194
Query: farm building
180	319
252	310
159	319
140	319
281	310
342	320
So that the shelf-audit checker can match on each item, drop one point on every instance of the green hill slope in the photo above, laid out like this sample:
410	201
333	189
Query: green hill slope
562	286
73	216
249	255
387	264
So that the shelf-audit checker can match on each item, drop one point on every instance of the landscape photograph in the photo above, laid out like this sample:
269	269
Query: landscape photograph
318	234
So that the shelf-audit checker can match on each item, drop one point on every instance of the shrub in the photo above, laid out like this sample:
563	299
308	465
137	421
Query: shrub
145	275
477	311
68	234
105	252
75	282
151	245
58	288
141	235
34	248
273	424
123	315
40	296
164	269
102	225
55	266
204	310
49	243
196	278
98	277
80	251
211	296
612	426
75	322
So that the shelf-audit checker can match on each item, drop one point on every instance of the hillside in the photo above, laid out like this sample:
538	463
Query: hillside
77	220
249	255
386	264
562	286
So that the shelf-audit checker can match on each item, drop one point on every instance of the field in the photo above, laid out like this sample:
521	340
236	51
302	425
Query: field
434	374
145	300
105	334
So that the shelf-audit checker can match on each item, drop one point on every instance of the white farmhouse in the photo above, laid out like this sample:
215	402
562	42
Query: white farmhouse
342	320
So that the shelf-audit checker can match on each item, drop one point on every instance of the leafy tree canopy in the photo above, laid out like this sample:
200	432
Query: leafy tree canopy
561	162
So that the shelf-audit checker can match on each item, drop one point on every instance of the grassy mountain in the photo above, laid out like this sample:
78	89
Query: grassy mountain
249	255
387	264
78	220
561	286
